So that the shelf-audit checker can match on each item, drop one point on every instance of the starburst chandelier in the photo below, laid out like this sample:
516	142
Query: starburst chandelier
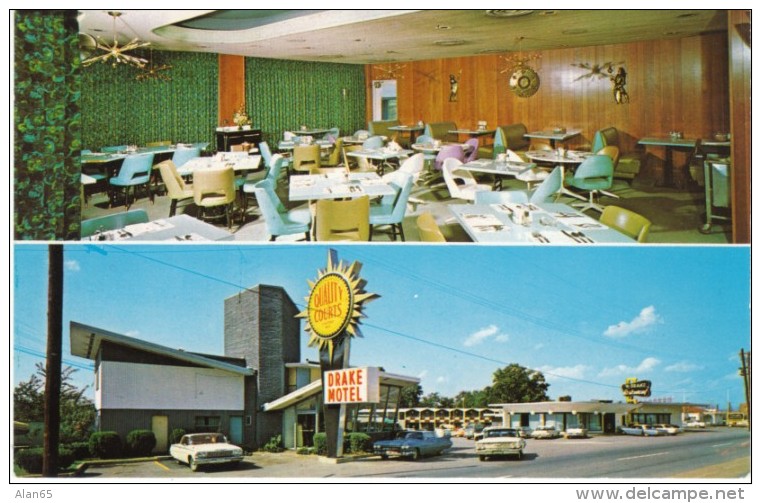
153	72
115	54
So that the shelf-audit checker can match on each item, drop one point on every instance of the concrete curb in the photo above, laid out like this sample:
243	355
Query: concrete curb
110	462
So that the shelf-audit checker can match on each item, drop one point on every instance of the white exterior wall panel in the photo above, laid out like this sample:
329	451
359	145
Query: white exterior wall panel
142	386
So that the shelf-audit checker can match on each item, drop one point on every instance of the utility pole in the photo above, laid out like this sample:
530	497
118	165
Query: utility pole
53	361
745	373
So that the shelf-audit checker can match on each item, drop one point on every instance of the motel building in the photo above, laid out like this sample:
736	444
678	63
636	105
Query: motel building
597	416
257	389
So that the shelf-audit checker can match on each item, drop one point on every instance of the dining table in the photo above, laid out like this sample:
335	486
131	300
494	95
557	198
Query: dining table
286	145
524	171
337	186
179	228
673	142
307	131
555	136
241	162
383	155
528	223
560	158
411	131
473	133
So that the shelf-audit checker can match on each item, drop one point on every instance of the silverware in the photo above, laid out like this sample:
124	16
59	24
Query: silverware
540	237
570	235
583	237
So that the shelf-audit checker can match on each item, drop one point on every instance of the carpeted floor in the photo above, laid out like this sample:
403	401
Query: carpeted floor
676	214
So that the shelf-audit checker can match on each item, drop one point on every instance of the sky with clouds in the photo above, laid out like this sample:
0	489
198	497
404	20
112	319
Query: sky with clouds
586	318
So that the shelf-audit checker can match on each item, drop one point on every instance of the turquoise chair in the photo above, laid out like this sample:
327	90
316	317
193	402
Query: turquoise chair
264	150
135	170
593	175
391	212
373	142
273	174
548	188
111	222
499	197
429	158
598	142
183	155
280	221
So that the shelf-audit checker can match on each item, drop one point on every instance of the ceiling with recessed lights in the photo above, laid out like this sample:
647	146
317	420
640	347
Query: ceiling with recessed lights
370	37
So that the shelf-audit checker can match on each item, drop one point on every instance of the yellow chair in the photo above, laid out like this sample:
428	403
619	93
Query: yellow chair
176	187
213	188
305	156
429	230
334	158
627	222
343	220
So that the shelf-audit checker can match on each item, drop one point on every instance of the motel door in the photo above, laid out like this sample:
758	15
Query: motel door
160	428
305	425
236	430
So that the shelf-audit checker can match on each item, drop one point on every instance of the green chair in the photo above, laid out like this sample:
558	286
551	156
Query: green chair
627	222
595	174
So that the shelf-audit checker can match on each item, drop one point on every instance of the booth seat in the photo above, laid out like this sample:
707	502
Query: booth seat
441	131
380	128
508	137
628	163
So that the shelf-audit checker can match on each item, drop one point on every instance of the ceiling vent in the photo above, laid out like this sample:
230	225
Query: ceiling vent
449	42
508	12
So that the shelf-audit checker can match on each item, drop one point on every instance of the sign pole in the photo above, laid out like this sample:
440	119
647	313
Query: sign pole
342	408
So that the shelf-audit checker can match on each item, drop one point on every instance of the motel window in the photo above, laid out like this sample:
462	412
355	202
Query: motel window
207	423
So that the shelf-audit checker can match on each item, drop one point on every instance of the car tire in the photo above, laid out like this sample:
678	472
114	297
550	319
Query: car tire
192	463
416	455
482	458
384	456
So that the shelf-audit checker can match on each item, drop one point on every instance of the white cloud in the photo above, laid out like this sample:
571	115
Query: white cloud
683	367
441	379
646	365
576	372
72	265
483	334
646	318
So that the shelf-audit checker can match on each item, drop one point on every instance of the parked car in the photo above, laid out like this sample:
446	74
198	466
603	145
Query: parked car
575	432
651	431
499	441
694	423
524	432
200	449
633	429
458	432
545	432
413	444
668	429
472	429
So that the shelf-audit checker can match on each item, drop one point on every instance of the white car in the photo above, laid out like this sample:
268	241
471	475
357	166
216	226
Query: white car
668	429
545	432
200	449
498	441
694	423
575	432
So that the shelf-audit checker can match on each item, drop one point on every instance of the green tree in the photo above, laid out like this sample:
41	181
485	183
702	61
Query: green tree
410	396
434	399
468	399
77	411
517	384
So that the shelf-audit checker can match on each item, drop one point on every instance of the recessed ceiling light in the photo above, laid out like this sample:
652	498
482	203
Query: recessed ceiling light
443	27
449	43
688	14
671	33
508	12
574	31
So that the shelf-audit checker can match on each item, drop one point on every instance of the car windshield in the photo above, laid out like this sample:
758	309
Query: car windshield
211	438
500	433
414	435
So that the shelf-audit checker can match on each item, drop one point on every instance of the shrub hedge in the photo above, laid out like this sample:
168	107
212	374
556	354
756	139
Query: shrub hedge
31	459
105	444
176	435
321	444
140	443
358	442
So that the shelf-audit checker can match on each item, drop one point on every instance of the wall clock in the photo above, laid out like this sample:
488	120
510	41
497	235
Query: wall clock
524	81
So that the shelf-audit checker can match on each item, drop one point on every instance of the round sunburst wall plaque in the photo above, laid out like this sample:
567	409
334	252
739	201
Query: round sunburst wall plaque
334	305
524	81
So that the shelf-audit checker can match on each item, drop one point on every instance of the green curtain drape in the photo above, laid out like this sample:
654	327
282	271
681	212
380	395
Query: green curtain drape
283	95
47	125
118	109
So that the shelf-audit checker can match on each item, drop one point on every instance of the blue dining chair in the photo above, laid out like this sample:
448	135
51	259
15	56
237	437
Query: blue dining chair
548	189
183	154
114	221
264	150
499	197
392	212
373	142
280	221
594	175
135	170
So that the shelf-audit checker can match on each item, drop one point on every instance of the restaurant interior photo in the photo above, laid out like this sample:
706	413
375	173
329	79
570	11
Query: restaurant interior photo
542	127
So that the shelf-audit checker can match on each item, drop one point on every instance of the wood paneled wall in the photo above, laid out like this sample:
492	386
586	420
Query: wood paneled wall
676	84
740	106
232	86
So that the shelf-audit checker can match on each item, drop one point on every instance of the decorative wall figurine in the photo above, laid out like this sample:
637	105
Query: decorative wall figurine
454	84
619	86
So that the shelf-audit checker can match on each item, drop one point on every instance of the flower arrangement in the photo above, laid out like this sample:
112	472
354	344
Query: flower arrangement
240	117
